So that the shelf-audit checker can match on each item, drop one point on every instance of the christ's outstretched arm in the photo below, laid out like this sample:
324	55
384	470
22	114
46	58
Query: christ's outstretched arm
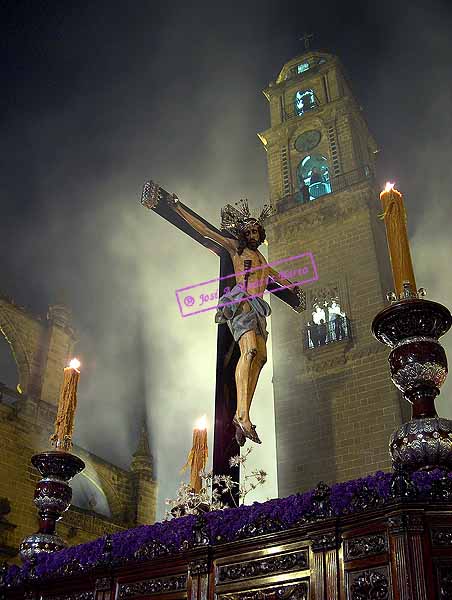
227	243
277	277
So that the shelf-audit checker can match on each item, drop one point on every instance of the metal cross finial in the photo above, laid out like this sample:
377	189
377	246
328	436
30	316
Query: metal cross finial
305	38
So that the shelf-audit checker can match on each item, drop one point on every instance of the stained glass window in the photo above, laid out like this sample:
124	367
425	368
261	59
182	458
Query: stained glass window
313	177
302	68
304	101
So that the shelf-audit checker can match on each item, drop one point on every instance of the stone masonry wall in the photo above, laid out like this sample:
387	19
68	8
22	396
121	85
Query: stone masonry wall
335	405
41	349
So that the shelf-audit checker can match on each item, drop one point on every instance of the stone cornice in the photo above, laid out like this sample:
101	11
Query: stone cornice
323	115
326	210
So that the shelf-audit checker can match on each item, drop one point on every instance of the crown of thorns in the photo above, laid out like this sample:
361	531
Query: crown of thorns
236	219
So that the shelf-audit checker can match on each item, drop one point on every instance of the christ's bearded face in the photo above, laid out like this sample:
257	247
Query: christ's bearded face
252	236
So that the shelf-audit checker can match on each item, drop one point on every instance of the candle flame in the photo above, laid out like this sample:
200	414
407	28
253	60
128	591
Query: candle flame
389	186
201	423
75	364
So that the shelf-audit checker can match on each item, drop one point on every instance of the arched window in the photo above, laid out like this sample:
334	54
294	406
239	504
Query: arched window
313	177
8	367
89	495
304	101
301	68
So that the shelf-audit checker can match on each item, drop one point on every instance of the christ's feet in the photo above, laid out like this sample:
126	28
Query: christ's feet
245	430
252	435
239	434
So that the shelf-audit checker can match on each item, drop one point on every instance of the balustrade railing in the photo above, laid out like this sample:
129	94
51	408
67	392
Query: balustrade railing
320	189
322	334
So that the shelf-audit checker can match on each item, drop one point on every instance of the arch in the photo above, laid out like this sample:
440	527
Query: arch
88	494
9	374
104	485
304	101
313	177
9	331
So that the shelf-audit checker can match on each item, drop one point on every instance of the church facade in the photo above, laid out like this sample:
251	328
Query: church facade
335	405
123	498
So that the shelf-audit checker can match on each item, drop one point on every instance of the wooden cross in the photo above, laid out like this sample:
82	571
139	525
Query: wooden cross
228	353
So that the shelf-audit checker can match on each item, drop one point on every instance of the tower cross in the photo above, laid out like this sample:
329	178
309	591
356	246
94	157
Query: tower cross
305	38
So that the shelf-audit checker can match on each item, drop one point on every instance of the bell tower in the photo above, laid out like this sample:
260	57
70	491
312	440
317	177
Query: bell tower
335	405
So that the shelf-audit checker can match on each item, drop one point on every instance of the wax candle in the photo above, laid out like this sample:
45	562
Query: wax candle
197	458
394	216
64	422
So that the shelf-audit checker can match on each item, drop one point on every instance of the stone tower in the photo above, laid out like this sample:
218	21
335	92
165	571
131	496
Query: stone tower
335	405
145	487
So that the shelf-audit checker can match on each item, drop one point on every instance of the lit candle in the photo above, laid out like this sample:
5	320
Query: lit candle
394	216
64	422
197	458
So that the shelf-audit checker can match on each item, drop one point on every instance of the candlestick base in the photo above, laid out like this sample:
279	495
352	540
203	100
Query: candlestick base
52	497
408	292
418	365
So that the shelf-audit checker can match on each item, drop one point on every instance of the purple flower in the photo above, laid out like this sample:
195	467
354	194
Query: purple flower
220	525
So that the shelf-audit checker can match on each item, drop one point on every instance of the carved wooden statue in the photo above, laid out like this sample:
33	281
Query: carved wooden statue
242	307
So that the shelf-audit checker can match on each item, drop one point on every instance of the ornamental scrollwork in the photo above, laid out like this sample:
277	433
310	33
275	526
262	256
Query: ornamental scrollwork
103	584
403	487
370	585
364	499
320	505
445	582
70	568
3	571
260	526
442	537
299	591
72	596
201	533
442	490
412	522
151	550
199	567
160	585
325	541
365	546
271	565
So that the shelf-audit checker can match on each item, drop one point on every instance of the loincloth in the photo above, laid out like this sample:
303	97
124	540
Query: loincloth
239	322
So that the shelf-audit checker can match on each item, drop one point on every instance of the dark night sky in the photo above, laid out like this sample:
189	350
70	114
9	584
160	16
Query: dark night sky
96	97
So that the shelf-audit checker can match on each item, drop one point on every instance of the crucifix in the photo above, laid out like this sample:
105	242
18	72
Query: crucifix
241	345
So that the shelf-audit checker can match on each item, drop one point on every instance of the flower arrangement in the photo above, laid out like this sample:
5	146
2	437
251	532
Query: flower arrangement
217	526
217	491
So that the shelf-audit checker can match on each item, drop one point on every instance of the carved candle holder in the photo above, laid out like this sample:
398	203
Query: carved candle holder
52	497
411	328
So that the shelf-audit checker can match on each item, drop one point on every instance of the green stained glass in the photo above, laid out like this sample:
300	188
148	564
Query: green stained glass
302	68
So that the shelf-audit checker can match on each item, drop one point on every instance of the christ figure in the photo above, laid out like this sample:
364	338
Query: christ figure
243	307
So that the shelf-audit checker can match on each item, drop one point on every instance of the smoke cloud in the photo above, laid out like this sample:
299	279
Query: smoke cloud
102	100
